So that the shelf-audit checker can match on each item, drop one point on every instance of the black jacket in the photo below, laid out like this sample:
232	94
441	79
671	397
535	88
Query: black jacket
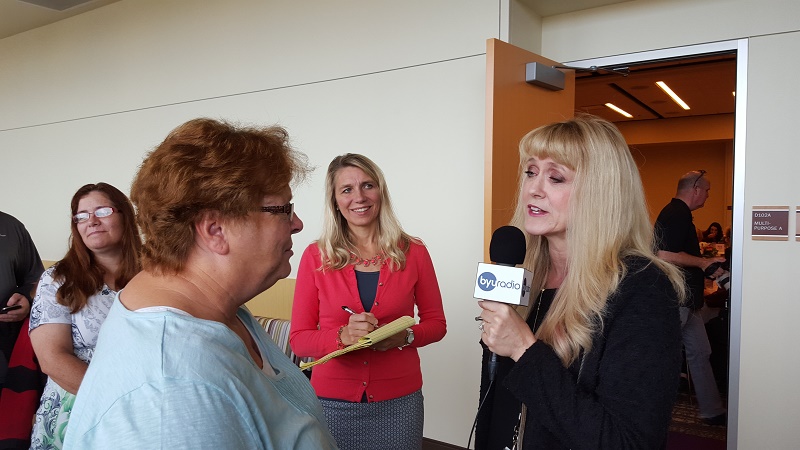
628	383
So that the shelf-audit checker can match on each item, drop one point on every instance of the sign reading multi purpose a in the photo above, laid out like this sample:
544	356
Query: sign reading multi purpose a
503	284
771	223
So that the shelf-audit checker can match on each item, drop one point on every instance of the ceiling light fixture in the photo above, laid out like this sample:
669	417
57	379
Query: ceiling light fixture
57	5
674	96
619	110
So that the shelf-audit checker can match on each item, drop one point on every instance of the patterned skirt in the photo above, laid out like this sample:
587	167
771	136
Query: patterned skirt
50	425
388	425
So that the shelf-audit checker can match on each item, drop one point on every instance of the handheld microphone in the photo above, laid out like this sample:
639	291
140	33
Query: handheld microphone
502	281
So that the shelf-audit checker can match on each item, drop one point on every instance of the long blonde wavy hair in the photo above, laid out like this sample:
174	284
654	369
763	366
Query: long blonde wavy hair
336	244
609	221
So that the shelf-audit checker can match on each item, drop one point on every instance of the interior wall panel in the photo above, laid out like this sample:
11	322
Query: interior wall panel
83	100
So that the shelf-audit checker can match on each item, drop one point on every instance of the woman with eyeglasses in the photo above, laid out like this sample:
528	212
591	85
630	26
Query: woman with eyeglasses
180	362
366	271
73	299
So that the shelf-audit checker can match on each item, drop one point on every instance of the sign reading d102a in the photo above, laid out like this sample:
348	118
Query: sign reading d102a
770	223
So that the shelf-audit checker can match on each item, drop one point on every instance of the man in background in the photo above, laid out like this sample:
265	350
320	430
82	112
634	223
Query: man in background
20	384
678	244
20	269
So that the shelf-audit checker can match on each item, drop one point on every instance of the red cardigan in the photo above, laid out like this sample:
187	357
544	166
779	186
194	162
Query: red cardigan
317	316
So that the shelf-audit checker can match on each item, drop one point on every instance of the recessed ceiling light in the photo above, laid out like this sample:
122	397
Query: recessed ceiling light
674	96
58	5
619	110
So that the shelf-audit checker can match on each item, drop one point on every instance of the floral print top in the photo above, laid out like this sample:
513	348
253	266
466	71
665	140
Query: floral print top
55	407
85	323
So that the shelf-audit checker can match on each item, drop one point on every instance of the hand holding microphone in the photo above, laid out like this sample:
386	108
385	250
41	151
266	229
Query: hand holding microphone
504	331
503	282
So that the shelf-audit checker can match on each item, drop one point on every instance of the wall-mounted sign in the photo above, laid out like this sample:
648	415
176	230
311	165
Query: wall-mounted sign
770	223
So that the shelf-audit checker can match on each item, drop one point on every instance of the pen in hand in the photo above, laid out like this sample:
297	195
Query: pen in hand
374	326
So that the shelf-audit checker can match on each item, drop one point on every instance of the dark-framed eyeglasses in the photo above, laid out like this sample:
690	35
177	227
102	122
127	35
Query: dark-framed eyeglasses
702	172
287	209
99	213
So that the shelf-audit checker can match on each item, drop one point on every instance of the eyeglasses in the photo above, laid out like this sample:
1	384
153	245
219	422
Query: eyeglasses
287	209
702	172
99	213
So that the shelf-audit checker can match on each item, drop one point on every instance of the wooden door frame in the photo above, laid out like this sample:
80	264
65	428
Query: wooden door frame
513	107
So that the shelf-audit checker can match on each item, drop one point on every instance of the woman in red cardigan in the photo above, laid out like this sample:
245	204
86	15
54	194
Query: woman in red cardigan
364	272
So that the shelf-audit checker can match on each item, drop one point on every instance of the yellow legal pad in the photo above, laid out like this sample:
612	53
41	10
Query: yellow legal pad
375	336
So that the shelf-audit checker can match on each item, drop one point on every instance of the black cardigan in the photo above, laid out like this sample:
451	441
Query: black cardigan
627	386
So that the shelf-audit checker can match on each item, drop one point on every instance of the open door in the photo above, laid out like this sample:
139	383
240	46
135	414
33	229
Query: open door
514	107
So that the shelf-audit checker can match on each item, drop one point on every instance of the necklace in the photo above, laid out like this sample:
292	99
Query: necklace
538	307
376	260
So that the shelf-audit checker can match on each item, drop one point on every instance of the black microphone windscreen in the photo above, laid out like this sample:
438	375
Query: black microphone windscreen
507	246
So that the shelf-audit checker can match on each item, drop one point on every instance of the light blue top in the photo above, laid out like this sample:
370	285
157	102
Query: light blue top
171	381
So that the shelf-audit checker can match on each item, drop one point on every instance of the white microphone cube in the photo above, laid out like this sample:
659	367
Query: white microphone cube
505	284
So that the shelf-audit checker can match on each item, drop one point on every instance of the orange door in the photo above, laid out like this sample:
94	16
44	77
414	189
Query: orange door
514	107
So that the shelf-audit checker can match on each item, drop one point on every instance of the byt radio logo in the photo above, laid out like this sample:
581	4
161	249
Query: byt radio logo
504	284
487	282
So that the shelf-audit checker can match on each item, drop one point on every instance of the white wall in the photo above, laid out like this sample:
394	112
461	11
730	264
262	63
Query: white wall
84	99
524	26
641	25
769	401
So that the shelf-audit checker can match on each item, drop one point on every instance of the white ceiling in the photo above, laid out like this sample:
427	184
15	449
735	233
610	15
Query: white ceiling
17	16
546	8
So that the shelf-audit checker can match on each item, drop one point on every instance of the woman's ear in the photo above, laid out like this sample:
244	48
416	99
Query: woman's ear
210	233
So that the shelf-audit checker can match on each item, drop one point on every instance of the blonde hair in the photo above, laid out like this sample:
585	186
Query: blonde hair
609	221
336	244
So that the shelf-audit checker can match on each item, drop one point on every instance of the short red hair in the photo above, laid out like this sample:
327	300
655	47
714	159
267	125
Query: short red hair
206	165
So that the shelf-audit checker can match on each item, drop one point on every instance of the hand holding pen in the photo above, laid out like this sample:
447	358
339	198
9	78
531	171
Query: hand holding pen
359	324
396	341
